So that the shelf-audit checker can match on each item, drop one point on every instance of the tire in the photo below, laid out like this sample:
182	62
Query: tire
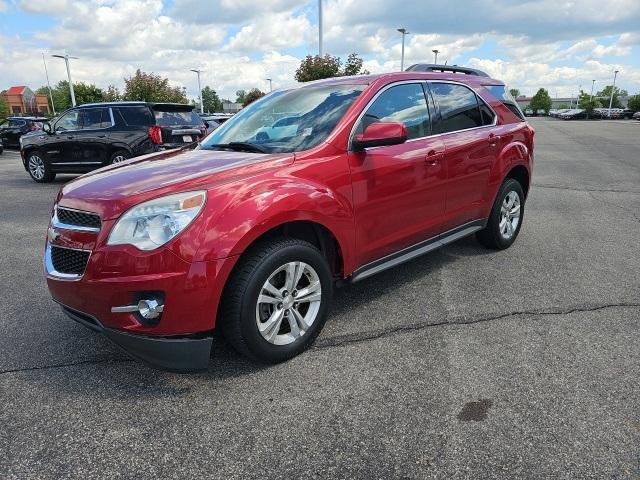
243	317
498	235
119	156
38	168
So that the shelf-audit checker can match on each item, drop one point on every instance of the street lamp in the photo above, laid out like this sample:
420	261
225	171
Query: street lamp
270	84
66	61
435	52
615	74
198	72
48	84
404	33
320	28
593	82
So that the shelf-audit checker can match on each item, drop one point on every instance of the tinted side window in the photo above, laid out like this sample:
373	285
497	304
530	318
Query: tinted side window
94	118
403	103
486	113
502	93
458	107
69	121
137	116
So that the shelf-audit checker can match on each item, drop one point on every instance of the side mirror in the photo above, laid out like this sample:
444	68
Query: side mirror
379	134
47	128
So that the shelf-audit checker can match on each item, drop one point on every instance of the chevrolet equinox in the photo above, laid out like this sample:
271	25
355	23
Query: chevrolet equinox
305	189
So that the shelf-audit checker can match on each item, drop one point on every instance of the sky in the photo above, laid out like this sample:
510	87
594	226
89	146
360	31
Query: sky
555	44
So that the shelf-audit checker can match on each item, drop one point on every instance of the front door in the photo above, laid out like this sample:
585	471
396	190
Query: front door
61	146
398	190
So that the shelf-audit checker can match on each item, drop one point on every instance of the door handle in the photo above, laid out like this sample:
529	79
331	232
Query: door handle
433	157
493	139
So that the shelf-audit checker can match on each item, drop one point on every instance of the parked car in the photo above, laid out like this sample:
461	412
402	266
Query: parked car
249	234
94	135
636	116
573	114
529	112
12	128
1	147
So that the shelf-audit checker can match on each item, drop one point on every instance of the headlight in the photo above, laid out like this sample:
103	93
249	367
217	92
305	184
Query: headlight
153	223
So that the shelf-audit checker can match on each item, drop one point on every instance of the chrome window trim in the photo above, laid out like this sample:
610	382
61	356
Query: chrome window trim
56	223
421	82
53	273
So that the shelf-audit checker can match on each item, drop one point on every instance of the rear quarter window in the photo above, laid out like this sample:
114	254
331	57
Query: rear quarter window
137	116
501	92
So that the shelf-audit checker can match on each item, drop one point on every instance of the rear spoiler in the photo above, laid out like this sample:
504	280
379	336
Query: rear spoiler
430	67
172	107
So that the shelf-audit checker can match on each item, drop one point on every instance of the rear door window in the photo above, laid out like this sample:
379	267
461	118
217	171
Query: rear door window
404	103
458	107
94	118
136	116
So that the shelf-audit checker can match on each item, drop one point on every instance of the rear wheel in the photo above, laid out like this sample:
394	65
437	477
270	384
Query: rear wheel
39	168
506	217
119	156
277	299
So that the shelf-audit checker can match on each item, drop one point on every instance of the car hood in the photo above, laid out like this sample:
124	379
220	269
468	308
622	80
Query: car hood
111	190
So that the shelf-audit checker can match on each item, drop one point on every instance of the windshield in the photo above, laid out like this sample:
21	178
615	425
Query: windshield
287	121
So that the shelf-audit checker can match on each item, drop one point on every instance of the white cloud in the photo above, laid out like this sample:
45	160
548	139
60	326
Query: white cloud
271	31
230	11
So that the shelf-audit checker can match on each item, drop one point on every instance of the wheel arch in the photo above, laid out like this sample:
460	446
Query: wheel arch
521	175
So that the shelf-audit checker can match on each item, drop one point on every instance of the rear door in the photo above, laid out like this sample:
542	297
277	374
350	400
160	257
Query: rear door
466	124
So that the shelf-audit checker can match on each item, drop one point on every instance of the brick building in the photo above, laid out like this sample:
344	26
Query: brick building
23	101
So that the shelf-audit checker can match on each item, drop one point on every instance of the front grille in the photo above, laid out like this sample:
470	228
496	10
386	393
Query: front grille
76	218
67	260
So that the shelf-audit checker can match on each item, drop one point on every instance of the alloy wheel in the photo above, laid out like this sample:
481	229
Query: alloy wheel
119	159
509	215
288	303
36	167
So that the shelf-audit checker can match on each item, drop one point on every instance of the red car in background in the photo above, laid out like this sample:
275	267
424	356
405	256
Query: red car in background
250	231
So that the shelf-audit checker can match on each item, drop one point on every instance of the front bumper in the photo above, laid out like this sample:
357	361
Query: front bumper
179	354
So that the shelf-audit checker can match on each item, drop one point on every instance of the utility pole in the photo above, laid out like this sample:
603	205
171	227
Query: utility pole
66	58
197	72
593	82
270	84
320	28
48	84
435	52
404	33
615	74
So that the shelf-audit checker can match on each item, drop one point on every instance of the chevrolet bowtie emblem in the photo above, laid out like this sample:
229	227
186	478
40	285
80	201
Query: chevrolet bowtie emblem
52	235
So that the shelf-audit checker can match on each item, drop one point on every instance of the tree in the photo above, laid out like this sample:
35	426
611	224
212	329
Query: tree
515	93
605	93
4	109
588	103
634	103
211	100
541	101
111	94
253	95
150	87
240	94
317	67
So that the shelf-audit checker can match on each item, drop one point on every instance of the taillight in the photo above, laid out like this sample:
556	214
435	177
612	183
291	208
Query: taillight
155	134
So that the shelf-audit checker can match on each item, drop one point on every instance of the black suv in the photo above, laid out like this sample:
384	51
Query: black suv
12	128
94	135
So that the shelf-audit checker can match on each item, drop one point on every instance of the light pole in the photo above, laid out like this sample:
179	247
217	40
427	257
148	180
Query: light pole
48	84
593	82
270	84
615	74
197	72
320	28
66	61
435	52
404	33
578	95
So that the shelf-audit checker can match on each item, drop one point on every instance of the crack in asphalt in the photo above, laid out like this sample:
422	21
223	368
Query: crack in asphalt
374	335
355	338
566	187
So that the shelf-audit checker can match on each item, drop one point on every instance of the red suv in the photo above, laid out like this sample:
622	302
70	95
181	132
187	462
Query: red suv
306	188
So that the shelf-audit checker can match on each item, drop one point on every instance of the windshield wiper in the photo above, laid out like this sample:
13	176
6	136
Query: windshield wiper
240	146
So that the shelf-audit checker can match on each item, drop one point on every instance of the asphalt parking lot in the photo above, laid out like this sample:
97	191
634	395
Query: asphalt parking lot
466	363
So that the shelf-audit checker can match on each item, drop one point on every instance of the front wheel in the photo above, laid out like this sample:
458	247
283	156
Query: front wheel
506	217
38	168
277	300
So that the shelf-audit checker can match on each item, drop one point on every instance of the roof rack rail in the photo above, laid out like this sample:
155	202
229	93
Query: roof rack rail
431	67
